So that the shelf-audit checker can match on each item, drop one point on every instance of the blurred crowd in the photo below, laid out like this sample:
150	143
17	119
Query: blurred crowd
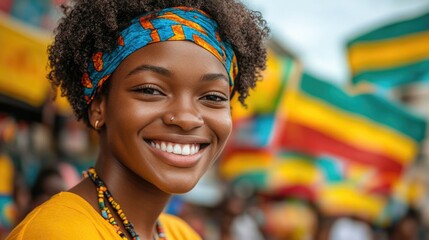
38	160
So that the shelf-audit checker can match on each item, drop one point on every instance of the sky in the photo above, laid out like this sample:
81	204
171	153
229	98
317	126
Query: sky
316	30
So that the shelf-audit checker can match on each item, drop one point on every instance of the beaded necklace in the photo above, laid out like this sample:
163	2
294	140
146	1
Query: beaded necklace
103	193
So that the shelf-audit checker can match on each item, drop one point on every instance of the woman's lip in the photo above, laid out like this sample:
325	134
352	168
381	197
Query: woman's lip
175	160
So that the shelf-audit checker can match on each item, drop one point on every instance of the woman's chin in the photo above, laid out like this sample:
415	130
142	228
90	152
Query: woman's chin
178	187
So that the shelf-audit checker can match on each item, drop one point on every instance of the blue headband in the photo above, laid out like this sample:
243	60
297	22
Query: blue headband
170	24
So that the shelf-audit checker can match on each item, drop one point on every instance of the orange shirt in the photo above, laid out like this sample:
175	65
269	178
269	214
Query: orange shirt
68	216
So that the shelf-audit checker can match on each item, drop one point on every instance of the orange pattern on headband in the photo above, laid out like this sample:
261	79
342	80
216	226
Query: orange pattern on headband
98	61
184	22
178	32
146	24
207	46
86	82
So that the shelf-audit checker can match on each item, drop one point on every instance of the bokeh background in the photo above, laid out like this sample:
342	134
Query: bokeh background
333	143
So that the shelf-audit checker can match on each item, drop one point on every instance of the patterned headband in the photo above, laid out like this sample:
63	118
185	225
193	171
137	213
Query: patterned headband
170	24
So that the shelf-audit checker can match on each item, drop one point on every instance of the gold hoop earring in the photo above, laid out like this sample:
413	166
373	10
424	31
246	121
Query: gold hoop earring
96	125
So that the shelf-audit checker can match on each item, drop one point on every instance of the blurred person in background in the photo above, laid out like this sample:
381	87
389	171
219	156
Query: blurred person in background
351	229
21	197
288	218
408	227
48	183
239	219
198	207
154	79
9	210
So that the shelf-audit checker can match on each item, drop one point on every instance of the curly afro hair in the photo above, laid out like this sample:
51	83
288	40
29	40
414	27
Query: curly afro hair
89	26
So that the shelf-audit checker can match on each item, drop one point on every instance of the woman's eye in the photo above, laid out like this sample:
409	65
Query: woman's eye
215	98
149	90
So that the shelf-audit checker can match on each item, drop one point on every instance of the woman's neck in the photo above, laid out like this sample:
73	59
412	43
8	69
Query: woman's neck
141	201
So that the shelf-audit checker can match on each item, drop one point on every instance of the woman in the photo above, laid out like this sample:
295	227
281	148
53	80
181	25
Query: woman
154	79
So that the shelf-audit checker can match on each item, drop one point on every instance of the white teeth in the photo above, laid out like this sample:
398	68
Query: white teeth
170	148
186	150
177	149
180	149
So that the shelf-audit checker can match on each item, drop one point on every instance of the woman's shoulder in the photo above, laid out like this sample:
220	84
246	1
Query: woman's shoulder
176	228
64	216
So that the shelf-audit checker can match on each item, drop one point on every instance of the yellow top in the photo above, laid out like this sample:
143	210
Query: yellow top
68	216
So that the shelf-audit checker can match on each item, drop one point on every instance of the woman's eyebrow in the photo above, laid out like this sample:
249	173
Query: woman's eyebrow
214	76
146	67
166	72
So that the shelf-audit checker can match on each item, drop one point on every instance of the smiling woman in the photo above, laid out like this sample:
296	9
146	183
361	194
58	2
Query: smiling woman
154	79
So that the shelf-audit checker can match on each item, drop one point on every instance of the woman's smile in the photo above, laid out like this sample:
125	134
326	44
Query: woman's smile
178	155
176	148
184	152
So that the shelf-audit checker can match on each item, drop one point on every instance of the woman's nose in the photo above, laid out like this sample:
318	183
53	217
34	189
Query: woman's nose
184	114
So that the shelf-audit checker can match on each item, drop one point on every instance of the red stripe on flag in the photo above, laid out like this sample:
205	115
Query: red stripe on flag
301	138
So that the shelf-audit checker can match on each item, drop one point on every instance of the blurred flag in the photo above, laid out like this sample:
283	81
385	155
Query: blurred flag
251	157
23	62
307	138
264	99
254	125
318	118
24	65
352	189
285	174
345	198
392	55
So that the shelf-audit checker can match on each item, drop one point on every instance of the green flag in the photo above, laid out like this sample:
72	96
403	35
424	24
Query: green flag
392	55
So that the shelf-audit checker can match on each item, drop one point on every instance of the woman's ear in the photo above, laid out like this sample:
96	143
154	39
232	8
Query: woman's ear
97	112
